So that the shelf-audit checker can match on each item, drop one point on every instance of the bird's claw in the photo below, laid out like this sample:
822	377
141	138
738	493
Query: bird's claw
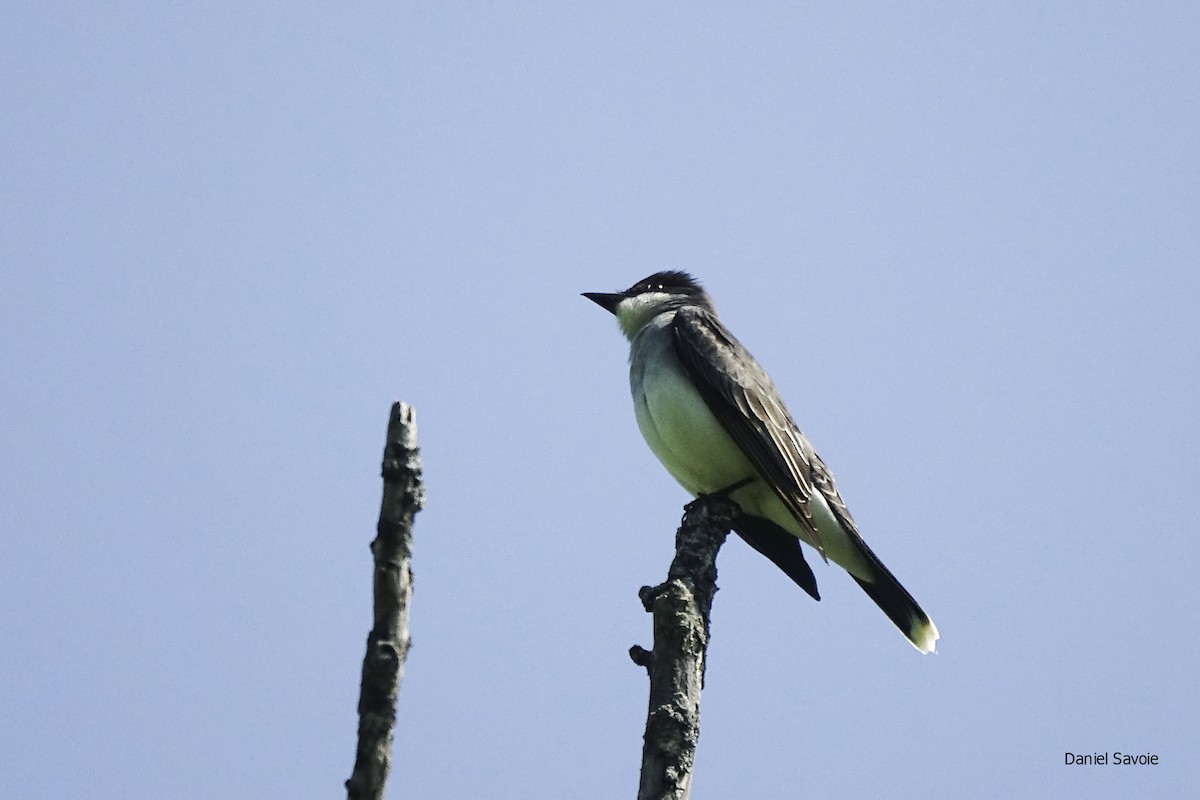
723	494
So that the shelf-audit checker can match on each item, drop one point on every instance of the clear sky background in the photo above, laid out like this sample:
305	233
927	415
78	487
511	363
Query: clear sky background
963	237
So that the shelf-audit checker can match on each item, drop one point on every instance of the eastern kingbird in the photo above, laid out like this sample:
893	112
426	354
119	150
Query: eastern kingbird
715	420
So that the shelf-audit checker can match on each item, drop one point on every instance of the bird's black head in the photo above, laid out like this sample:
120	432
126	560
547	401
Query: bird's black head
649	297
671	286
672	282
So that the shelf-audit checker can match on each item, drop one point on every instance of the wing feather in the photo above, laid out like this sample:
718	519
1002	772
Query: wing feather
741	395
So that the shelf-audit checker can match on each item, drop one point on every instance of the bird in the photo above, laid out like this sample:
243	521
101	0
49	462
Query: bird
715	420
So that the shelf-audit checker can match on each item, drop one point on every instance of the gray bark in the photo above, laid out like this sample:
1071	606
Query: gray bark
388	641
681	609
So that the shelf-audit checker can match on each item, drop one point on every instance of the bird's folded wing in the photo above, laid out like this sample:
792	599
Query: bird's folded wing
823	482
741	395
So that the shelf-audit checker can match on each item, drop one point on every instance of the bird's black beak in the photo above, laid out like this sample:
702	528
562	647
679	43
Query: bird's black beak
605	300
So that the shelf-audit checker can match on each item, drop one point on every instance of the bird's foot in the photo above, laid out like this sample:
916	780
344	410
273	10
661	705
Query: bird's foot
723	494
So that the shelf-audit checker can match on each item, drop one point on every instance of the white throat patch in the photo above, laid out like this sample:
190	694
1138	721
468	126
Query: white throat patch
634	312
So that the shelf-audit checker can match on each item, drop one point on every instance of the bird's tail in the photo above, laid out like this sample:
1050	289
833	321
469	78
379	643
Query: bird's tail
898	604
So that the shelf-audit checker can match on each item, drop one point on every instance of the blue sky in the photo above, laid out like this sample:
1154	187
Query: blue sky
962	237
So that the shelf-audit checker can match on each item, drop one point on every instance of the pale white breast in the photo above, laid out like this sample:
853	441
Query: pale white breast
676	422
